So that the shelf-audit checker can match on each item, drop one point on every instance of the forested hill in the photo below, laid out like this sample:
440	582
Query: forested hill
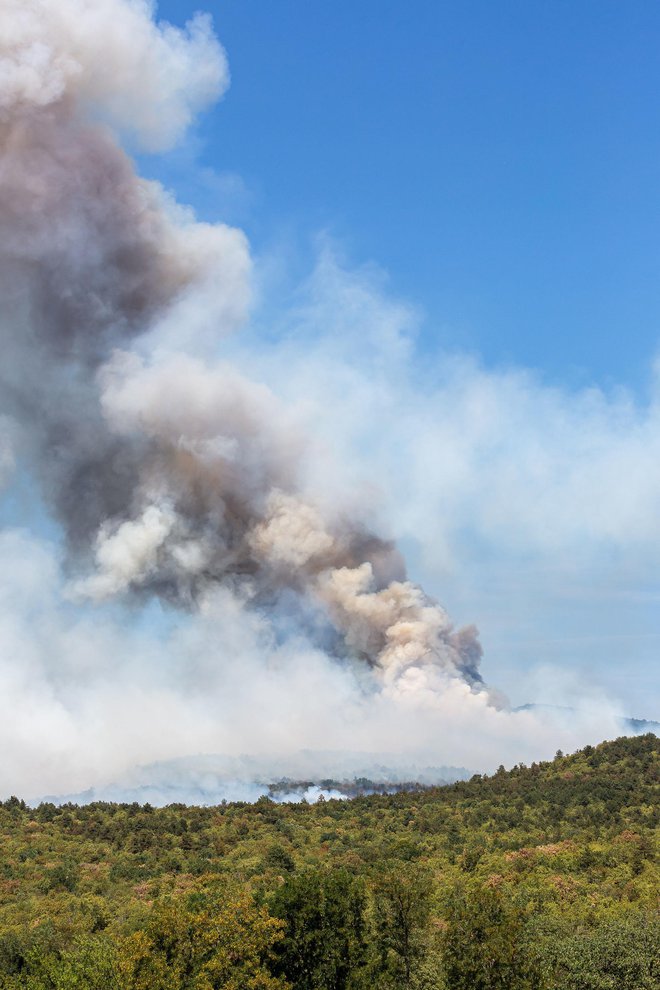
540	876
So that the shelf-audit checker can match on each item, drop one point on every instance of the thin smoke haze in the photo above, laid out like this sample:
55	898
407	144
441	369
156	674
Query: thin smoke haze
175	474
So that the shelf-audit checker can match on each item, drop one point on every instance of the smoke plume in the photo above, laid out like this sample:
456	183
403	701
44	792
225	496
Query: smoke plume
171	476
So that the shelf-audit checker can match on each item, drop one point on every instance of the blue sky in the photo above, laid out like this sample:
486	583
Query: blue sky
499	161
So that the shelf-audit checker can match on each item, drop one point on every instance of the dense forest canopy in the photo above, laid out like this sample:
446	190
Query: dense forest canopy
540	876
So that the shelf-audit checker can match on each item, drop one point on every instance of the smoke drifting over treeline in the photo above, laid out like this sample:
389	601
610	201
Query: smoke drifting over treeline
173	473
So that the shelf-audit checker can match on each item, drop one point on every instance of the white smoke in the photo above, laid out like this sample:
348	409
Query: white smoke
188	475
128	554
148	79
88	694
181	478
530	505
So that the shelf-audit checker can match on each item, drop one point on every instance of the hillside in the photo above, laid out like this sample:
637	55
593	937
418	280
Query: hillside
537	876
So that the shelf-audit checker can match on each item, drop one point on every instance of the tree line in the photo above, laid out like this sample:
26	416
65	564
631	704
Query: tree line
537	877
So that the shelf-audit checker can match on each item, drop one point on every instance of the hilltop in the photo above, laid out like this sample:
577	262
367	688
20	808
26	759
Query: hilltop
553	864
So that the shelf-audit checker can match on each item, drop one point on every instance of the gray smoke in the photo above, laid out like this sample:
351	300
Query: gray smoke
171	476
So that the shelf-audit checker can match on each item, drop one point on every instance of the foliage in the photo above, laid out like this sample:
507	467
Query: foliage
484	944
621	954
205	942
324	945
542	876
402	907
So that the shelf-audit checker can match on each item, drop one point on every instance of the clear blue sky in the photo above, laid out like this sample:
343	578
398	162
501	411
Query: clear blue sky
500	160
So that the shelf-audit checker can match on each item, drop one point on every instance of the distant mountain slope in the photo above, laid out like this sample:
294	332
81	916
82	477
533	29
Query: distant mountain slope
641	725
636	726
210	779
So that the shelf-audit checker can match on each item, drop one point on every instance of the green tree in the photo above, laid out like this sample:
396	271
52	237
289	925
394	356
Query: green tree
278	858
88	963
402	907
619	954
211	940
324	943
484	945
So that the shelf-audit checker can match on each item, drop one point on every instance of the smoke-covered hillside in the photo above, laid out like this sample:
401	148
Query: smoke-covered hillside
306	775
209	779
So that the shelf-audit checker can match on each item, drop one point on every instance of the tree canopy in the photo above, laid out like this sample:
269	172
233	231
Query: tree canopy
543	876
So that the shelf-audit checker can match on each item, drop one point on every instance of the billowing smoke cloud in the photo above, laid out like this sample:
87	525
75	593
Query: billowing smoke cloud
170	476
149	80
93	699
225	589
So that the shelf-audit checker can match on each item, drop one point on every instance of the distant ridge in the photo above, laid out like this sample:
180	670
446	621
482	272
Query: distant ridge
210	779
638	726
642	725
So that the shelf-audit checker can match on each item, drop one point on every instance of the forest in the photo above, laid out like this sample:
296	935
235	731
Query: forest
542	876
